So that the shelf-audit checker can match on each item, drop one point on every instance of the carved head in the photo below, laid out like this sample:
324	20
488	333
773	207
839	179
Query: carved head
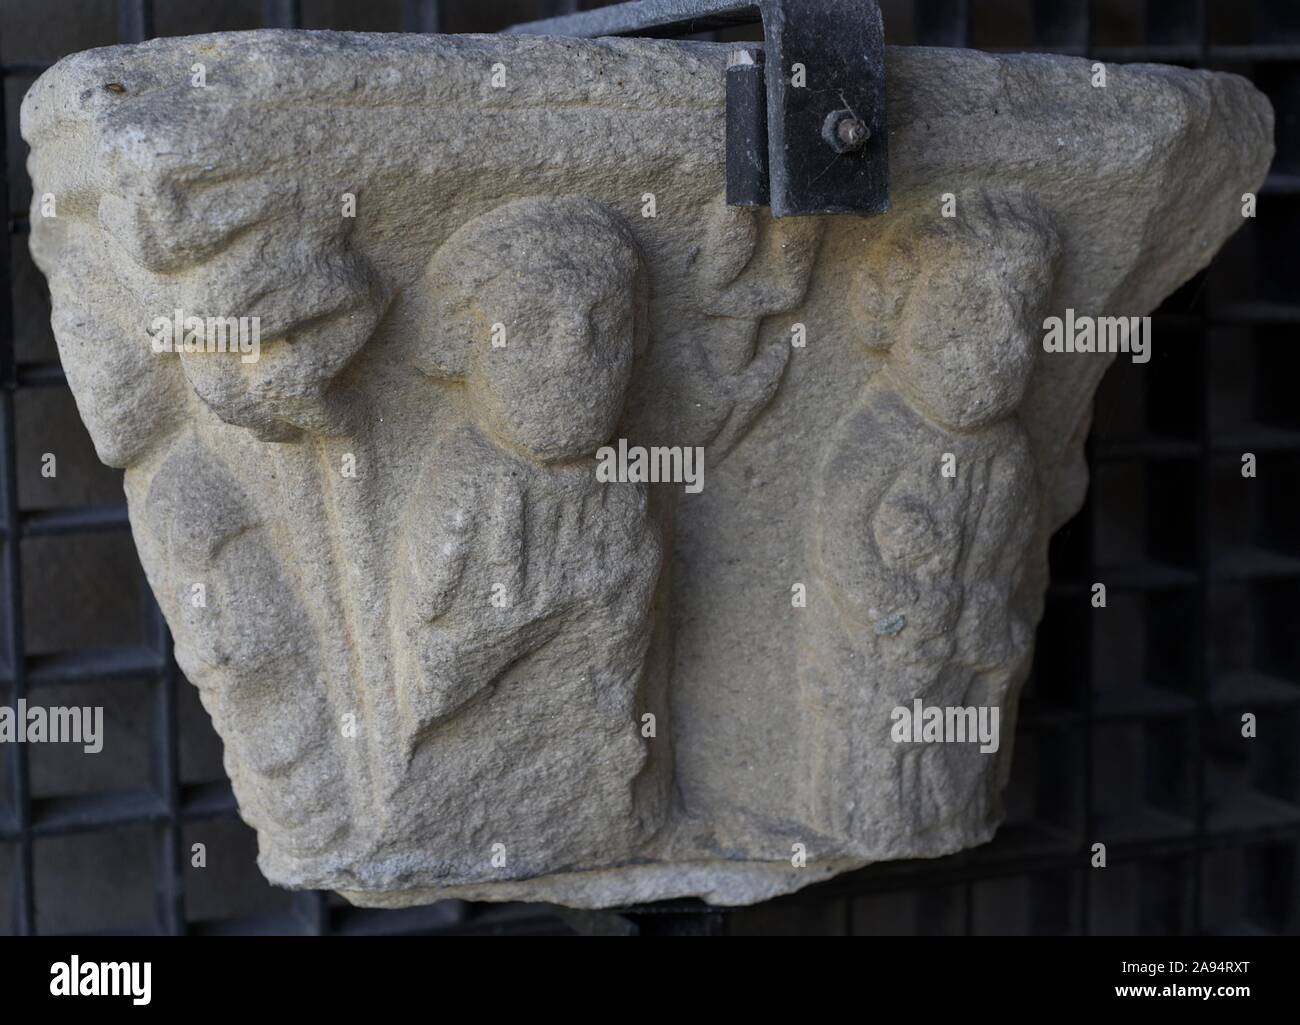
538	306
968	329
748	265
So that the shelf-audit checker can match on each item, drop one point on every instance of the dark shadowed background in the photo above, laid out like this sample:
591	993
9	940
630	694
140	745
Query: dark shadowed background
1130	728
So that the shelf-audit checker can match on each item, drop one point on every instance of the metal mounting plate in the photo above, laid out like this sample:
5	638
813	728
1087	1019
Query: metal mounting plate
823	69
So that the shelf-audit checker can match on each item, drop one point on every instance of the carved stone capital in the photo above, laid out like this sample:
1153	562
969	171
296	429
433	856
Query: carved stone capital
454	644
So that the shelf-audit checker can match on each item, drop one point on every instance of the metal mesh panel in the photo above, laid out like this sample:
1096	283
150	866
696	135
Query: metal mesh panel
1129	730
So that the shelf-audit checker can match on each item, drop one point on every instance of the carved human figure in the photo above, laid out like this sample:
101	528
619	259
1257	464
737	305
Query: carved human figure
520	563
927	502
743	268
245	641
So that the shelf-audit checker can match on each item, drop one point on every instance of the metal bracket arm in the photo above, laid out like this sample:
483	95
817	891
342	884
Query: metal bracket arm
806	128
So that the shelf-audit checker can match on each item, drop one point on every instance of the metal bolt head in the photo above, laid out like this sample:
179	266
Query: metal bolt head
852	132
844	132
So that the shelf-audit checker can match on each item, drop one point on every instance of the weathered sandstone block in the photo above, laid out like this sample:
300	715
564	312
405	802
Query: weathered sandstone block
452	651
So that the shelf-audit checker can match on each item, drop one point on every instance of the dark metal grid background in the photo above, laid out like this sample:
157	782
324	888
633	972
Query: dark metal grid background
1129	730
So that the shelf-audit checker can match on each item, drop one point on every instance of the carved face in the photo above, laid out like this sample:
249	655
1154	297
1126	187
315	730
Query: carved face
555	388
966	349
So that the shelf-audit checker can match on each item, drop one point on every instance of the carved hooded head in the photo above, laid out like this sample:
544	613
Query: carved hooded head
539	307
963	334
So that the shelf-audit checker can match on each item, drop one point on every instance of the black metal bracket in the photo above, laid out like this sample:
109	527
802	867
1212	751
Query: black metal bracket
806	128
